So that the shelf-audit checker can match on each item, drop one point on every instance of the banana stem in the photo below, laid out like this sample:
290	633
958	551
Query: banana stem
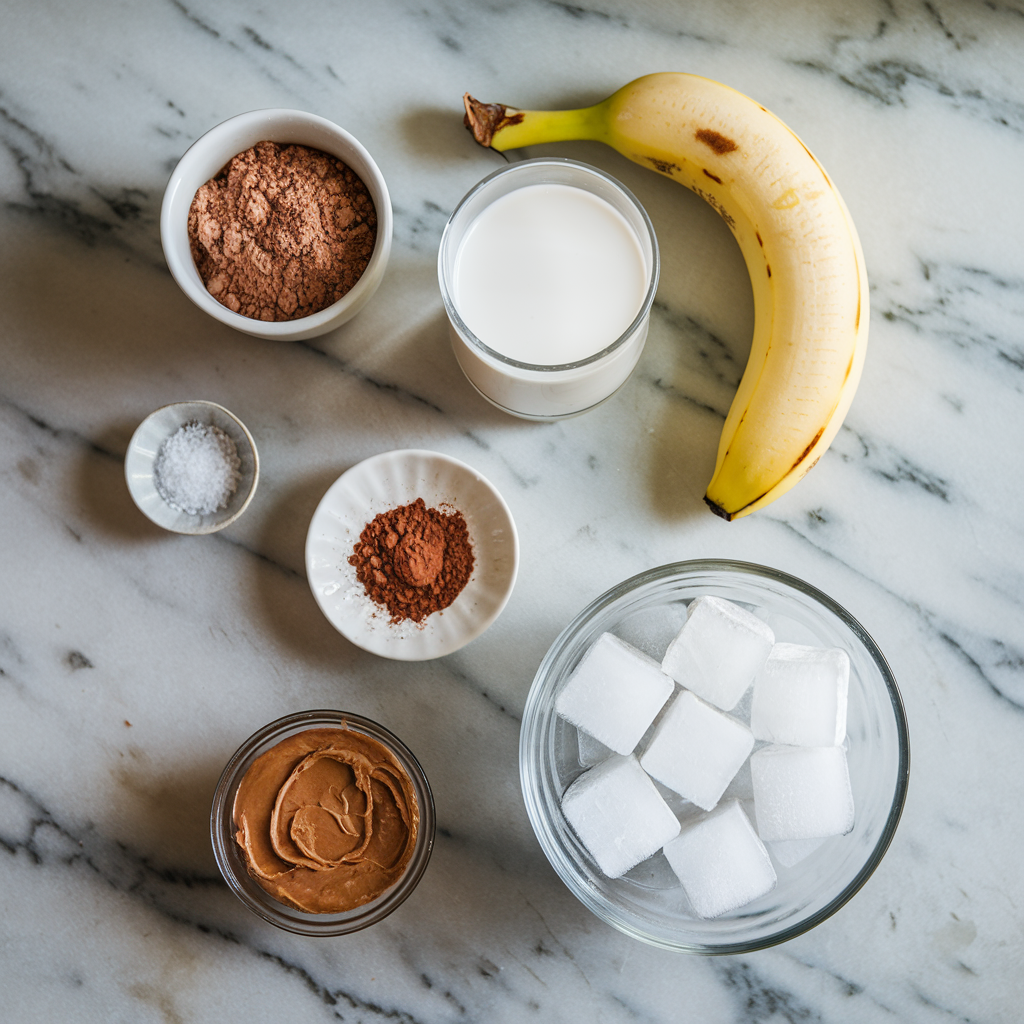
499	127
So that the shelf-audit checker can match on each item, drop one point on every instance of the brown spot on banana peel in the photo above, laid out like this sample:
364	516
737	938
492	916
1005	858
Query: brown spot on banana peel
849	370
807	451
730	516
713	177
485	120
788	200
663	166
720	143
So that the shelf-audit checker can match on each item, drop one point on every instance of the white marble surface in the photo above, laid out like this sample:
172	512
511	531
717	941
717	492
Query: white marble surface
111	906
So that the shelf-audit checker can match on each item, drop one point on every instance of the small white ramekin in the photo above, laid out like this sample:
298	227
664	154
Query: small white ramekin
145	444
210	153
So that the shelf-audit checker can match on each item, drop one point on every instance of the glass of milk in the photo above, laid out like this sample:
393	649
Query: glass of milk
548	269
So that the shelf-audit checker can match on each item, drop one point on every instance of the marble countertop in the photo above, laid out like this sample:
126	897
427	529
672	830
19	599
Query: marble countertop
133	662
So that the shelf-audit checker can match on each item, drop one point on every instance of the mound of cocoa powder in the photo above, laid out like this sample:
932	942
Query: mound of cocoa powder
282	232
414	560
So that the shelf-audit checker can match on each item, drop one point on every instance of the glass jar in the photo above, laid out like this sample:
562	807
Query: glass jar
231	860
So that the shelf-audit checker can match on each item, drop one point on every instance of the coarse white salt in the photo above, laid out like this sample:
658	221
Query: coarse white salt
196	470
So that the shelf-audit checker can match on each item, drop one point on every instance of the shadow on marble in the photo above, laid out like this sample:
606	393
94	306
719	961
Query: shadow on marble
399	347
103	317
165	814
681	464
103	494
436	133
482	898
287	608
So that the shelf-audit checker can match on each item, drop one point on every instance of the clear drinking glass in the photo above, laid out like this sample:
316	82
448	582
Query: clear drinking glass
529	390
229	856
648	902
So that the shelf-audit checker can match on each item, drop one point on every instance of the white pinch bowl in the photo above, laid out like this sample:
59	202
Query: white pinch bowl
209	154
385	482
142	451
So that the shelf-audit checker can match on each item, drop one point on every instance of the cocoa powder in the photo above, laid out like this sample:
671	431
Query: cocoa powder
414	560
282	231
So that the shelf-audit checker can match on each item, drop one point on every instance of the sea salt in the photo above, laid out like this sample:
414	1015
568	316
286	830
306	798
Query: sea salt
196	470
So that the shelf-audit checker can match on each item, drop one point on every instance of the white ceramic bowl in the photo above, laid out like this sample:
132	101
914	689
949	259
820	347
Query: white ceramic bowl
648	902
385	482
209	154
142	451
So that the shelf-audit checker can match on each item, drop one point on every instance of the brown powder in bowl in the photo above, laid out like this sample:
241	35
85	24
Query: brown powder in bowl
414	560
282	231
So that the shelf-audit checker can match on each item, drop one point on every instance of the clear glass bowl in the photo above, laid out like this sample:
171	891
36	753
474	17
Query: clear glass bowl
648	902
229	856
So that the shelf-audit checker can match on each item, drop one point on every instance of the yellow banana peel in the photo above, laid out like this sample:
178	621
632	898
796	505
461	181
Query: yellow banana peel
797	238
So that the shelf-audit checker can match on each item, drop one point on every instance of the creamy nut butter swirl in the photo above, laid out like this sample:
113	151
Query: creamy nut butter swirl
327	820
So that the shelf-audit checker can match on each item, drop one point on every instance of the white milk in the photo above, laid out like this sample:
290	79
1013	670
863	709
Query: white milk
549	274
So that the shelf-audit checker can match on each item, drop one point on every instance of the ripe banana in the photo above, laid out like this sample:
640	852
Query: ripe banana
799	243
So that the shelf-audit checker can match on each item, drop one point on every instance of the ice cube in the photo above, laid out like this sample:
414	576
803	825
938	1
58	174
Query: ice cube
790	852
720	862
801	792
696	750
717	652
800	696
614	693
618	814
591	751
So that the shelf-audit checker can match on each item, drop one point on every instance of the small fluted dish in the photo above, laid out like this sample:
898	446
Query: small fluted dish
145	444
648	902
387	481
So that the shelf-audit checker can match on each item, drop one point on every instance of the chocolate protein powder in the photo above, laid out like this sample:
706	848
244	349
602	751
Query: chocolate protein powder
282	231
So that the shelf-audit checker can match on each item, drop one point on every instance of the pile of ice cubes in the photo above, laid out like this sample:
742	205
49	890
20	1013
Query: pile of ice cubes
800	782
